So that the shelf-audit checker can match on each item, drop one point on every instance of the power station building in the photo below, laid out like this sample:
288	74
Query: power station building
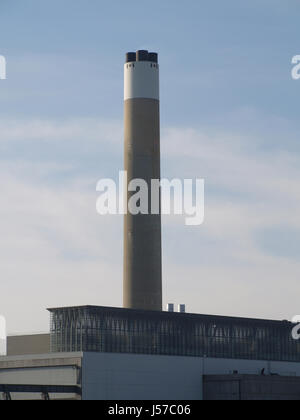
117	330
99	353
140	352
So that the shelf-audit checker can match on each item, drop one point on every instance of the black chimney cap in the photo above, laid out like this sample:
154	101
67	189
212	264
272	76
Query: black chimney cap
142	55
153	57
130	57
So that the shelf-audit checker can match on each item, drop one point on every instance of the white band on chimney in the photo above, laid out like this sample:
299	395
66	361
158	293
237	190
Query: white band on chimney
141	80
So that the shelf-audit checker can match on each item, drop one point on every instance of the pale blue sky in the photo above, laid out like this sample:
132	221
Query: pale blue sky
229	111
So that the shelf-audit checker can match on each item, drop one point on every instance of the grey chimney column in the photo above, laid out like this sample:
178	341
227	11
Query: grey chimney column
142	233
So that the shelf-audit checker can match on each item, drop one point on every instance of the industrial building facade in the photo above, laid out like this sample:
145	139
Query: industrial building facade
127	377
100	353
116	330
140	352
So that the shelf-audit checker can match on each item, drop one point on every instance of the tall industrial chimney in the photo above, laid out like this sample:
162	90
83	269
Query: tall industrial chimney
142	232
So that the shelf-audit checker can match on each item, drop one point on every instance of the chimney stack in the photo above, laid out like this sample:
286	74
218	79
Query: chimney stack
142	233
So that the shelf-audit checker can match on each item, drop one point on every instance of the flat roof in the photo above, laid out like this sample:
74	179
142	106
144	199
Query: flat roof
194	316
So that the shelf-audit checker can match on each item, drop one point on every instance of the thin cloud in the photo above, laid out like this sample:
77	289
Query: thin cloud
55	250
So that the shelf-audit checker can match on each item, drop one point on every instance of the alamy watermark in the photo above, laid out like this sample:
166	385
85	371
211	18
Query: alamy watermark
168	197
296	68
2	336
2	67
296	329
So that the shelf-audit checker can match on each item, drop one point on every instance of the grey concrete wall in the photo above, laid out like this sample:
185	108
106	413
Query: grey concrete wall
60	375
106	376
47	369
139	377
249	367
142	232
134	377
253	388
28	344
2	347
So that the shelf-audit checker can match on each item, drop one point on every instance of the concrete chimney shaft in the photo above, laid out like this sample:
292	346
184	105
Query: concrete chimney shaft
142	233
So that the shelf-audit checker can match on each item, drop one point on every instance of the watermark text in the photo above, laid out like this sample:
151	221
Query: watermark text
296	329
2	67
166	197
2	336
296	68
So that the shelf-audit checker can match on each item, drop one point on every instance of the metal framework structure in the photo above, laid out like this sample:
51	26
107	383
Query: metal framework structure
116	330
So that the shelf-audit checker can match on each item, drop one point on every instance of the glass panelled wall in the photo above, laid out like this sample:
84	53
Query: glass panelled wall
115	330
